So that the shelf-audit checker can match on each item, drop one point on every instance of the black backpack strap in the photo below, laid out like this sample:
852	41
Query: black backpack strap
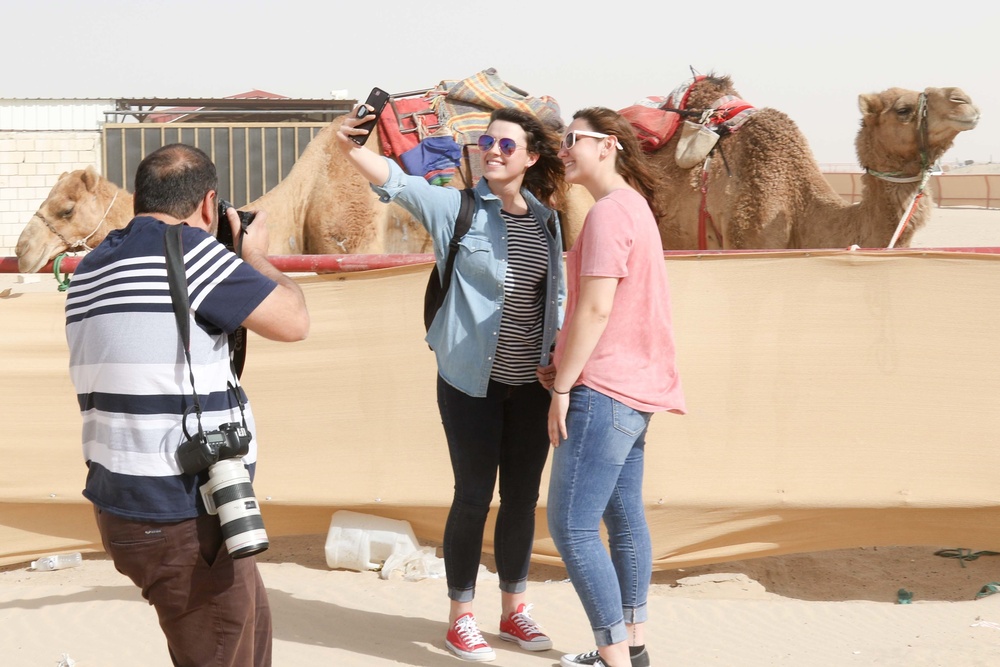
437	286
462	224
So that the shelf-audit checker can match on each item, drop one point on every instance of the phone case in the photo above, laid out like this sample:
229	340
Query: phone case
377	99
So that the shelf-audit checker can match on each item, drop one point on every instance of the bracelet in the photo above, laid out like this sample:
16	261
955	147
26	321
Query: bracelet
556	391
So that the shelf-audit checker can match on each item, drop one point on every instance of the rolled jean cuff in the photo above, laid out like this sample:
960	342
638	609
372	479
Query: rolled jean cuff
461	594
514	586
611	635
618	632
636	615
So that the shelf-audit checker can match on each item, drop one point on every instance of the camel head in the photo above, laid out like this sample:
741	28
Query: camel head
706	92
904	132
76	215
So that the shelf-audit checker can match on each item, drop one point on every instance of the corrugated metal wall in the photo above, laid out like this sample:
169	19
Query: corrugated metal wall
53	115
251	158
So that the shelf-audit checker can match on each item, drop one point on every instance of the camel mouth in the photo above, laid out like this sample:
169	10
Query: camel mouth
967	123
31	264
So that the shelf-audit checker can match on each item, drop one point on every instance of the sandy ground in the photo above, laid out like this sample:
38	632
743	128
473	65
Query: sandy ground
835	608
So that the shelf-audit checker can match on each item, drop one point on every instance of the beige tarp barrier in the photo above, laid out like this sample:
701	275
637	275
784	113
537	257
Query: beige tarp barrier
836	400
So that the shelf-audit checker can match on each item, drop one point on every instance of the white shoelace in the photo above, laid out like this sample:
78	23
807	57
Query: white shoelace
525	623
469	632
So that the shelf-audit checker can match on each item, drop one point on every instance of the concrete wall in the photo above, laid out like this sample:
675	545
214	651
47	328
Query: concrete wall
30	164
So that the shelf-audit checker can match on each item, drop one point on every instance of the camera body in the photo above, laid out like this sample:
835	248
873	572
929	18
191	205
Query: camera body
231	440
224	233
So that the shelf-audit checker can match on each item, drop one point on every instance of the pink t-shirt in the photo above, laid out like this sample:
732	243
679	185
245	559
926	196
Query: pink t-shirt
634	358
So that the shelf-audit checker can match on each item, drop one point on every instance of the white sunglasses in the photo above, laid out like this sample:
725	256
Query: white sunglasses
569	140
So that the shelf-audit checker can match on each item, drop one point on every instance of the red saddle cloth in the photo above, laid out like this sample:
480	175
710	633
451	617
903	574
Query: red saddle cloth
396	141
653	126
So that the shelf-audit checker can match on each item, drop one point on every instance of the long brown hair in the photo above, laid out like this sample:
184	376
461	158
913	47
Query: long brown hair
631	162
546	178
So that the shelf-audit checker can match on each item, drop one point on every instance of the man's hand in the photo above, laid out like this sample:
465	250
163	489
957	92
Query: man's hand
256	238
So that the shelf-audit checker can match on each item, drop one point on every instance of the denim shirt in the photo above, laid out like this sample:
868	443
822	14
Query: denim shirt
465	331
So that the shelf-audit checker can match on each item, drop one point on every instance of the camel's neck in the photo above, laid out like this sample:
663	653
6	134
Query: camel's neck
119	207
117	211
869	223
883	205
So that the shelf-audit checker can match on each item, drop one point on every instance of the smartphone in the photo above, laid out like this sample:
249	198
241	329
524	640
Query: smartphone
377	100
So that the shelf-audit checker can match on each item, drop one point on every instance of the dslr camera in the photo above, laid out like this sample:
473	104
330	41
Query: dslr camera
231	440
224	233
228	491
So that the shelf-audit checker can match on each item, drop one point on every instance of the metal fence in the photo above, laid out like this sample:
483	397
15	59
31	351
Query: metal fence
251	158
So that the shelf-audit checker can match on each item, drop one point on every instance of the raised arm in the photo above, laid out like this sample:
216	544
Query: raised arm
367	162
282	315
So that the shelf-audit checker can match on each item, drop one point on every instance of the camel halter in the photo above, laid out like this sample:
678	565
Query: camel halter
922	178
81	243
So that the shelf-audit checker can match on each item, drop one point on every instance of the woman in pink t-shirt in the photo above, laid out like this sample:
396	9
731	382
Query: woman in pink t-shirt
614	367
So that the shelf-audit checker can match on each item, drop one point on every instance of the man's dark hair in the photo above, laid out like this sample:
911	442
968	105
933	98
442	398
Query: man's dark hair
173	180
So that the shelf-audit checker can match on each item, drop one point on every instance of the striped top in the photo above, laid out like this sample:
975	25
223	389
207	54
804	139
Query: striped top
129	371
520	338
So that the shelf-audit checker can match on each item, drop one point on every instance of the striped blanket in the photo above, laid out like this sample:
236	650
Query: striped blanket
461	110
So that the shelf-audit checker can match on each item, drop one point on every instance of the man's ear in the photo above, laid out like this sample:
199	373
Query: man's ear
208	207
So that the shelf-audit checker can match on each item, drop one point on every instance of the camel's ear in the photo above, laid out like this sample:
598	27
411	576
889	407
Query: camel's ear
868	104
62	176
90	178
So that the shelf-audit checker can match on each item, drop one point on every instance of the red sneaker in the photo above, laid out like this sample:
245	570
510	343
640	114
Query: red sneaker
519	627
466	641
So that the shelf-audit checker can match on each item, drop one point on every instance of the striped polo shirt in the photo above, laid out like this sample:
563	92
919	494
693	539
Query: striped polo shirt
128	367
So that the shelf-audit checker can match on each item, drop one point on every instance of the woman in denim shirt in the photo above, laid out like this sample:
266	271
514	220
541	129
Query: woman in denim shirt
495	329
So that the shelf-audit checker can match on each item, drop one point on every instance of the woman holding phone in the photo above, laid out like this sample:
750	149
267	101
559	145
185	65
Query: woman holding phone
495	328
614	367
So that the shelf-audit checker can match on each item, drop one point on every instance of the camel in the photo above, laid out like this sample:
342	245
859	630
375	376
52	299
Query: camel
323	206
765	190
81	209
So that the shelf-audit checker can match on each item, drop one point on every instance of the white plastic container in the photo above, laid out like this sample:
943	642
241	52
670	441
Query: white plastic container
361	542
57	562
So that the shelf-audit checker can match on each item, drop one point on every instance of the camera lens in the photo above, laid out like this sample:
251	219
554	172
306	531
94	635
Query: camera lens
229	492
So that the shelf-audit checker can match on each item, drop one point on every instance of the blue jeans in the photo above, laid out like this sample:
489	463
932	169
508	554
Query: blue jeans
597	473
506	431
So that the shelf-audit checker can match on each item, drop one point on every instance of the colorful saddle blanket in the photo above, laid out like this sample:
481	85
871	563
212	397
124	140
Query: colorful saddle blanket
429	133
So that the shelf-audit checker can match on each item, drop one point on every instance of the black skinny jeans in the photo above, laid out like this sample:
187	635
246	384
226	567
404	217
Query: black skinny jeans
507	431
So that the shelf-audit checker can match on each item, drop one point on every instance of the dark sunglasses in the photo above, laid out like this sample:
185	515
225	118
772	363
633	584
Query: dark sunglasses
507	146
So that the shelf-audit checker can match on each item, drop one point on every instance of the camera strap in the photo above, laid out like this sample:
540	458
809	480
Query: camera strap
177	281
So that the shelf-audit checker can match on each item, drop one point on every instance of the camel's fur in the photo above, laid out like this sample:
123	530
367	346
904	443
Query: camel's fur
776	196
323	206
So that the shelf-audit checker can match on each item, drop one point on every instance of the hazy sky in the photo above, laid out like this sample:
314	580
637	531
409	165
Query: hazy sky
810	60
